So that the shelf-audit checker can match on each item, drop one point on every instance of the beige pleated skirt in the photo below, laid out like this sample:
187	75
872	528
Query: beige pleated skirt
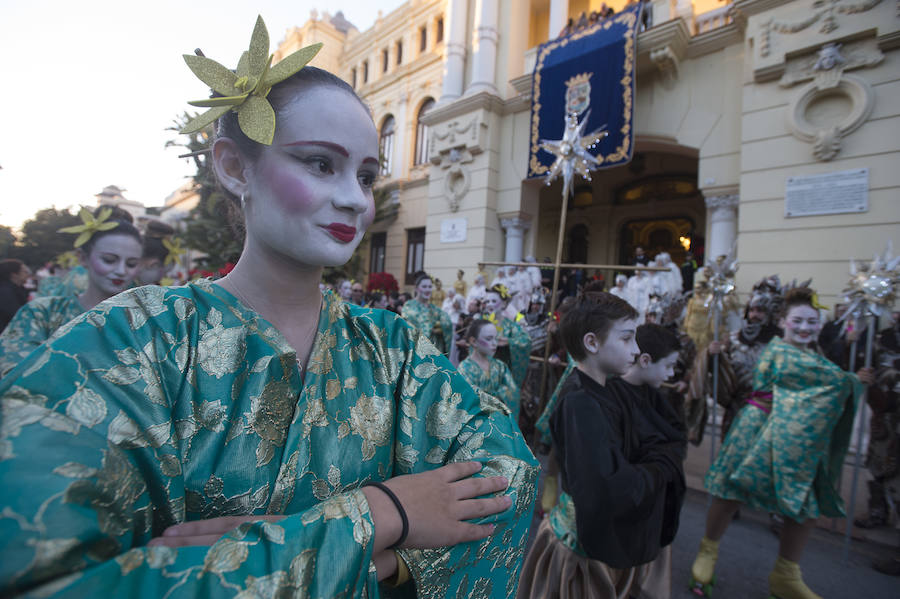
553	571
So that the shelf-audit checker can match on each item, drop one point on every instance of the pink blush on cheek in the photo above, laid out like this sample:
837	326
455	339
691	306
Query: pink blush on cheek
289	190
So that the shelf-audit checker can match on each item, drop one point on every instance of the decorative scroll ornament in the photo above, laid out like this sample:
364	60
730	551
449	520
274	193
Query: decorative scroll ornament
720	279
244	90
572	156
873	287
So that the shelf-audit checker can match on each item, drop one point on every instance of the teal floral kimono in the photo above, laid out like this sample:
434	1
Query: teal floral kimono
32	325
788	461
518	351
163	405
498	382
74	282
425	318
542	426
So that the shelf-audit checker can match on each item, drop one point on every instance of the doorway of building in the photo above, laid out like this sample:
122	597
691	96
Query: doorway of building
674	235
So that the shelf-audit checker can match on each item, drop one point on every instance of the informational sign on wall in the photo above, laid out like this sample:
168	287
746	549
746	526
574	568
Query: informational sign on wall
832	193
453	230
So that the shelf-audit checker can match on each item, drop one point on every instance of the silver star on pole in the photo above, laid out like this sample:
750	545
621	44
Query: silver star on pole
873	286
571	152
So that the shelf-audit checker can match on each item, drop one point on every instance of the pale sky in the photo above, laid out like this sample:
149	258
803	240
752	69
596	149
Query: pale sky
89	88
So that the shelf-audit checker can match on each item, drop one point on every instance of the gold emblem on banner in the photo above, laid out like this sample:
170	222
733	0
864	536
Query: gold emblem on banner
578	93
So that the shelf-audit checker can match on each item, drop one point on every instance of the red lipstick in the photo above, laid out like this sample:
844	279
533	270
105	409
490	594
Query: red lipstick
342	233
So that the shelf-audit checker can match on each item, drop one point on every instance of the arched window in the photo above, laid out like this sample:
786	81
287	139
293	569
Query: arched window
386	145
422	133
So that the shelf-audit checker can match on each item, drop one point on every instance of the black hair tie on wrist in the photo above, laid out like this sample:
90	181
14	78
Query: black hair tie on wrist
405	530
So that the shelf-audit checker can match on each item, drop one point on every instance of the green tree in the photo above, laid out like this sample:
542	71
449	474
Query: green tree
211	226
7	242
41	240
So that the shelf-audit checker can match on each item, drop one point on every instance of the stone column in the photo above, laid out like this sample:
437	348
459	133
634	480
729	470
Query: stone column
402	129
722	214
455	63
515	237
486	42
559	16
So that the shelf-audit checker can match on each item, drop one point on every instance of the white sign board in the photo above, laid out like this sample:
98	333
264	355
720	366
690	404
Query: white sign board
453	230
831	193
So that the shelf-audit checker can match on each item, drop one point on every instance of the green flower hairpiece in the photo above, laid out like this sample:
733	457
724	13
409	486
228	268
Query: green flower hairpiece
245	89
91	225
67	259
175	250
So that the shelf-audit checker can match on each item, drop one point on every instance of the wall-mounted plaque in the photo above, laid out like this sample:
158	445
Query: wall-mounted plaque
831	193
453	230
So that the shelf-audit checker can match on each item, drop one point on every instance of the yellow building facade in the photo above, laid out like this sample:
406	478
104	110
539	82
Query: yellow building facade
771	126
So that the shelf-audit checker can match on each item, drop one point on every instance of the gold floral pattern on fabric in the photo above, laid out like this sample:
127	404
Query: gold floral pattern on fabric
33	324
496	381
432	322
164	405
789	461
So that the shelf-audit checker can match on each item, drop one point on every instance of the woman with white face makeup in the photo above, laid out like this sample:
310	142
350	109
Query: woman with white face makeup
784	451
485	373
427	318
111	257
513	342
254	434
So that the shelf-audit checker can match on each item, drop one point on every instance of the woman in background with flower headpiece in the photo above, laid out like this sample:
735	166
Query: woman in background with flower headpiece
158	258
253	435
110	251
429	319
786	447
484	372
513	343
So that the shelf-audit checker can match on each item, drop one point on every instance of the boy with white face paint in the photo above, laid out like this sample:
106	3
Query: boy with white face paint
660	425
615	466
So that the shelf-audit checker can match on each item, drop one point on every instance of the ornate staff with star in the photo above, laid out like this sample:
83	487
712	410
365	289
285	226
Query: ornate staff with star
572	157
720	276
871	292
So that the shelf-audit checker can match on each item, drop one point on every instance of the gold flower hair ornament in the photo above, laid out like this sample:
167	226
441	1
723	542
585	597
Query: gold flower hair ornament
501	290
91	225
176	251
245	89
67	259
873	287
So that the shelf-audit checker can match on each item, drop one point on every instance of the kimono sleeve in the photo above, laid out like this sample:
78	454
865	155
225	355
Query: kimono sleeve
92	470
24	333
766	370
441	419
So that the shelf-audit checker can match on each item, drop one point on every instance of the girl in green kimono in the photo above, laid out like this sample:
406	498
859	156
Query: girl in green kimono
253	436
485	373
111	257
785	449
514	344
430	320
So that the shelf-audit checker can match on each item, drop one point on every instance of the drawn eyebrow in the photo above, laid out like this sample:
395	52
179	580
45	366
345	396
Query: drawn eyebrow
324	144
330	146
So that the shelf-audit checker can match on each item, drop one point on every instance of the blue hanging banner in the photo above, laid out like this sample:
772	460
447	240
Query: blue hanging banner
590	70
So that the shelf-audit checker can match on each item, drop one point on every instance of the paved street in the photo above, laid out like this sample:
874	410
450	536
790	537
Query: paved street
748	552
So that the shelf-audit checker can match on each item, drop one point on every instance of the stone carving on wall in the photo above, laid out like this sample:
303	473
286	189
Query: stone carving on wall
822	11
667	62
834	104
452	146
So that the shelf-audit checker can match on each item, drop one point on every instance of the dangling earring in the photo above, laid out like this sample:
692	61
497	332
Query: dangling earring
243	204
